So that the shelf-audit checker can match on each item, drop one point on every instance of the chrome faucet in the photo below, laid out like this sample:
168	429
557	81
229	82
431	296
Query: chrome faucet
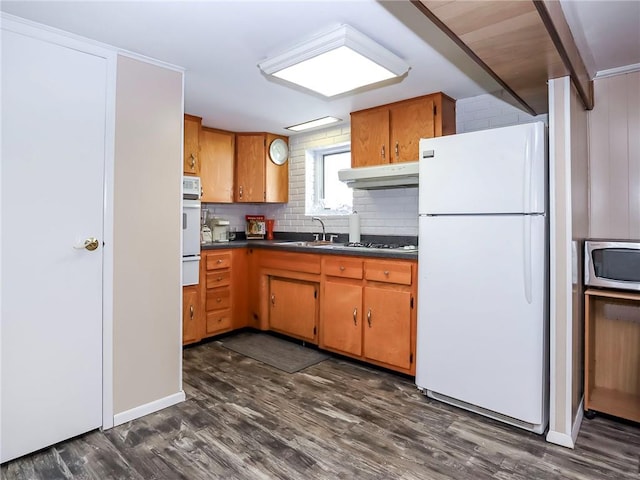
324	235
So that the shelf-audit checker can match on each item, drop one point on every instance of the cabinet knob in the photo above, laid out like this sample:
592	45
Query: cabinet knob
355	316
219	261
218	299
386	272
342	268
369	318
219	279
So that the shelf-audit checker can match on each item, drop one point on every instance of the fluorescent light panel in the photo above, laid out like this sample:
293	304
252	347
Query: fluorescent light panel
313	124
335	62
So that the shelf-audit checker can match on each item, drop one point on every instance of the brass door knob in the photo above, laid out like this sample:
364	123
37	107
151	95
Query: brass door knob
90	244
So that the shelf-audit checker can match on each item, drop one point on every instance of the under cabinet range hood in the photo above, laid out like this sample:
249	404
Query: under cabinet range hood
394	175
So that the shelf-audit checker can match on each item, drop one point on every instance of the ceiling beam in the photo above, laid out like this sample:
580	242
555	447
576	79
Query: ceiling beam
558	28
521	44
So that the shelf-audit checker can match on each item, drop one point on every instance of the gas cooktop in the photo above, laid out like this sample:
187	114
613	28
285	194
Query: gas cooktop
391	246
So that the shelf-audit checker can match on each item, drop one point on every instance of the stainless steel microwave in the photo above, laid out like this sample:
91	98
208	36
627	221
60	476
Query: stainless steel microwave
612	264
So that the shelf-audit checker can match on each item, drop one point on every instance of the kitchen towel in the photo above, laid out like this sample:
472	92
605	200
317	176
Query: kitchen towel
354	227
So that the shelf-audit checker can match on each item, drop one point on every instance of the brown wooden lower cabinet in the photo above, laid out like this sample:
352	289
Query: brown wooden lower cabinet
191	314
612	353
368	310
293	307
355	306
219	301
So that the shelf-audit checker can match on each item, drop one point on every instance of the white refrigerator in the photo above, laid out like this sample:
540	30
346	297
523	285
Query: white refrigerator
483	273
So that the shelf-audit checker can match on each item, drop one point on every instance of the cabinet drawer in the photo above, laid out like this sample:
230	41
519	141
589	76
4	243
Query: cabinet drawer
218	320
218	298
216	261
343	267
218	279
389	272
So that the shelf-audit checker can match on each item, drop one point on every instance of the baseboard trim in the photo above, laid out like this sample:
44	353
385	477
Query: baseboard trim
568	440
577	422
147	408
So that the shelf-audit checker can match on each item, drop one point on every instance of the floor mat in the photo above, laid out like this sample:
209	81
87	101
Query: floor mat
281	354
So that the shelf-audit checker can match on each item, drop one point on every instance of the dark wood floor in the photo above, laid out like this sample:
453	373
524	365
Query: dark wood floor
336	419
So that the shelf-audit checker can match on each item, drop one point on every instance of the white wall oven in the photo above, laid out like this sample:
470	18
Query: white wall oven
190	230
612	264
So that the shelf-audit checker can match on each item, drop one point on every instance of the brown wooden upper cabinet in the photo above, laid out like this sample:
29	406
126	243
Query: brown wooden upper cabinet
217	151
191	157
258	178
391	133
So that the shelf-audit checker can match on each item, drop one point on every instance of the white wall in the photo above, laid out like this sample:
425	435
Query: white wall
382	212
147	314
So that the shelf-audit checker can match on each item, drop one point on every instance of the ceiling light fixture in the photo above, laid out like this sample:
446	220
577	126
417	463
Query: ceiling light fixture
335	62
318	122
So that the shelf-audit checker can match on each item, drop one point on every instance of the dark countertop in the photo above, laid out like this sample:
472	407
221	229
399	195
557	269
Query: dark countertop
334	249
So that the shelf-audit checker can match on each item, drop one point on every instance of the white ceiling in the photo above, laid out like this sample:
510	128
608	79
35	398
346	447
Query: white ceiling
220	43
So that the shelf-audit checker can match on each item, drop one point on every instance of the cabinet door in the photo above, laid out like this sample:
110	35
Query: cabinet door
190	314
409	122
277	176
250	167
191	157
217	151
370	137
293	307
341	327
387	328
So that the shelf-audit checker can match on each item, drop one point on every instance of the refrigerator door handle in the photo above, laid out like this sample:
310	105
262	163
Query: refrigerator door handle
526	187
526	256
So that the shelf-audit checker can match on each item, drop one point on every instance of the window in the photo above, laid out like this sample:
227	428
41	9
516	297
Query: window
329	196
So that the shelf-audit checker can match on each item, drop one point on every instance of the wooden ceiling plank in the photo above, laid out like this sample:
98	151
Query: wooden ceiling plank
421	5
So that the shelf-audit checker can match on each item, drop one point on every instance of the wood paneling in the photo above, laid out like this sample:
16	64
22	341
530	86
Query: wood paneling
521	44
614	158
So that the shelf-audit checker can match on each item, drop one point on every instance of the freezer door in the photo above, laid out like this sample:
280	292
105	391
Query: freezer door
482	312
502	170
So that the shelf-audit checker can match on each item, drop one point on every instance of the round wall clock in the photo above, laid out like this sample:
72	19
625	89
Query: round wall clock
278	151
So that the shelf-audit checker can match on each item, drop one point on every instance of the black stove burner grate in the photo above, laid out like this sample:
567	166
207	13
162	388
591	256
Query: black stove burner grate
378	245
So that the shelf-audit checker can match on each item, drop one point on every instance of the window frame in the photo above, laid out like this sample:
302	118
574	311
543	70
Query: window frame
319	174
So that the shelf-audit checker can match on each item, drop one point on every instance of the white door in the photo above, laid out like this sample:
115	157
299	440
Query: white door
502	170
482	312
52	170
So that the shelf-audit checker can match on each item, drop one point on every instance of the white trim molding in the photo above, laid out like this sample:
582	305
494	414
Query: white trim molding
147	408
634	67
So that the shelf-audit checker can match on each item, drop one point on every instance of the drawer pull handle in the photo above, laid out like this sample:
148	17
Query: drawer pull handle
382	153
191	311
355	316
342	268
369	318
273	299
192	161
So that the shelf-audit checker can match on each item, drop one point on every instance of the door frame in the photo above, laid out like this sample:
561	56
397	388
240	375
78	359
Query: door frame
59	37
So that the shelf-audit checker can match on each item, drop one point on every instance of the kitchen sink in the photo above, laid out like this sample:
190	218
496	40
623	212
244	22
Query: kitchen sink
313	243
